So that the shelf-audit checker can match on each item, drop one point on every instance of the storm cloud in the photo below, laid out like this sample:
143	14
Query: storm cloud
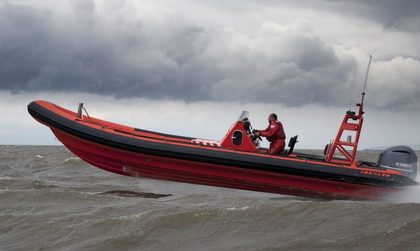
391	14
402	14
149	49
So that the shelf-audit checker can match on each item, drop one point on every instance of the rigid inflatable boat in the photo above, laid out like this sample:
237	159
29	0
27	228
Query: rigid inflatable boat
236	161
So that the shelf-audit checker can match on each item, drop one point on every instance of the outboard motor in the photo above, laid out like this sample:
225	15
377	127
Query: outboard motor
400	158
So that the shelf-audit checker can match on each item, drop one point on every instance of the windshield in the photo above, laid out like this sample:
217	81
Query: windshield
244	114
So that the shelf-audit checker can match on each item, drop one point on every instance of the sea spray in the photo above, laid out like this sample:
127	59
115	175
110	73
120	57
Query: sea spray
409	194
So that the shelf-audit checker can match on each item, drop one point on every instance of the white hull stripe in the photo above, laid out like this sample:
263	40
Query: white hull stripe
205	142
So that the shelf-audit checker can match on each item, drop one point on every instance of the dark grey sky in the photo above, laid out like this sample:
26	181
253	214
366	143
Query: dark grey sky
400	15
290	52
391	14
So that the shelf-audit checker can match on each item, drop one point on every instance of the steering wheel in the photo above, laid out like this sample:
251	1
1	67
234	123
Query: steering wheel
253	133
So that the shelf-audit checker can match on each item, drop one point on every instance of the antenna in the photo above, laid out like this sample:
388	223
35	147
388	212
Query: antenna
366	77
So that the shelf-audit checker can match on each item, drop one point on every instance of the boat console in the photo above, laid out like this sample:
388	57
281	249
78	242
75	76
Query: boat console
240	136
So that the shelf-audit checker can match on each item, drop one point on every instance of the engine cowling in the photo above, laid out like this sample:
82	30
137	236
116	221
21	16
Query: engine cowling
401	158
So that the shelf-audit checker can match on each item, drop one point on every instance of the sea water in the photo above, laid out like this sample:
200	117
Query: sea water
52	200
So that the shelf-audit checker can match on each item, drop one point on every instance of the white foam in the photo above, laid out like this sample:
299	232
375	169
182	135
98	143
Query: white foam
133	216
72	159
238	208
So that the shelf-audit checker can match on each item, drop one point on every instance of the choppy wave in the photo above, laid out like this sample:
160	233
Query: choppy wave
58	202
37	184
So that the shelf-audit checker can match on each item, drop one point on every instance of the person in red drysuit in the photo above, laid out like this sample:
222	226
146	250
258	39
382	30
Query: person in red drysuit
274	134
